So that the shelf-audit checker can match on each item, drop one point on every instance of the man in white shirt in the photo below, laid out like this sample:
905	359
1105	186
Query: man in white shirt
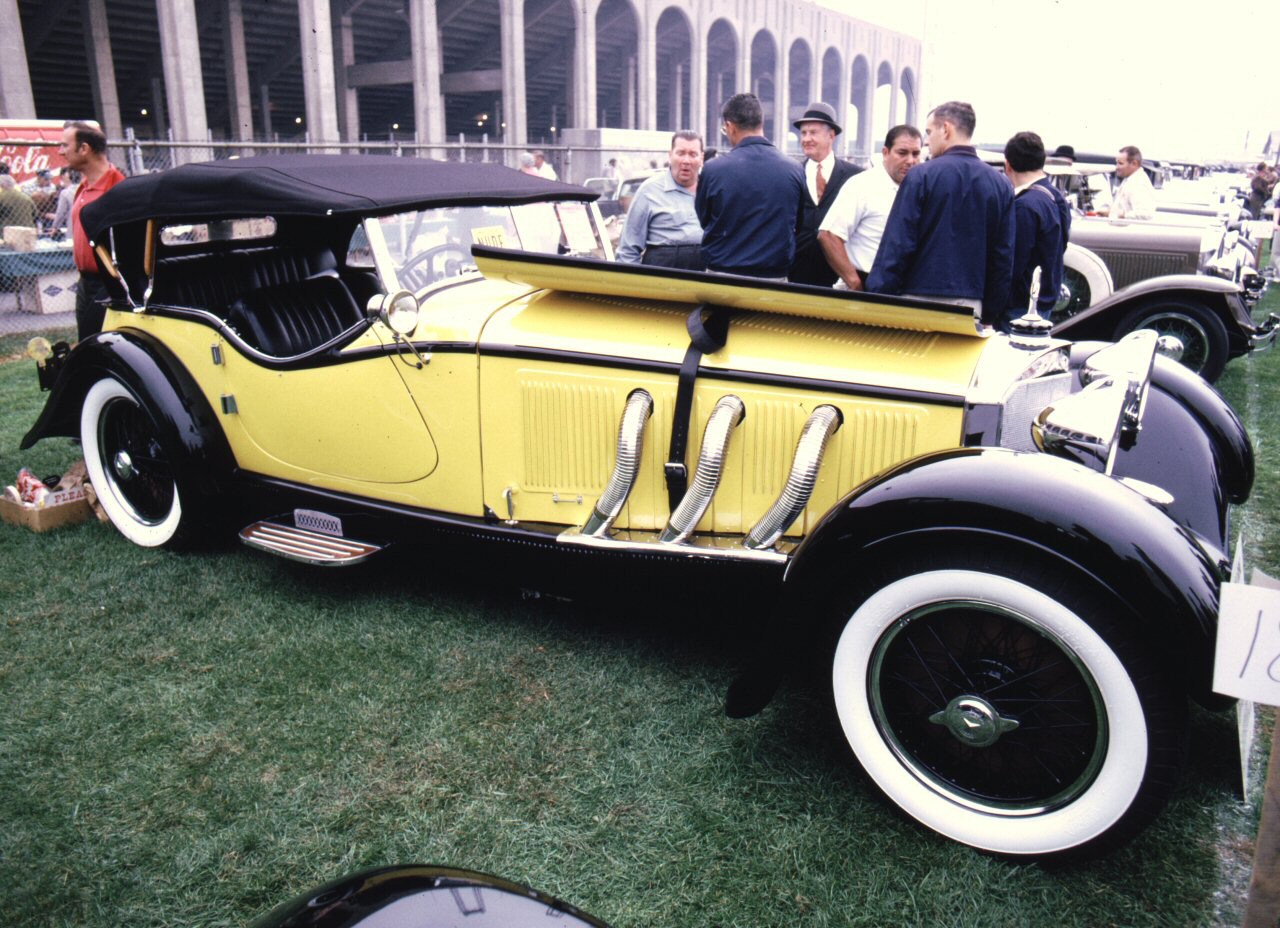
850	234
1135	198
543	167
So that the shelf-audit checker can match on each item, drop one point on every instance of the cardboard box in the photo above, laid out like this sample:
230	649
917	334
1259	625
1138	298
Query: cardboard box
49	293
20	238
65	507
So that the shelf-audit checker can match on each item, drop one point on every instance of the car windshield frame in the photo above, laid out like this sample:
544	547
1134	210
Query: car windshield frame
402	247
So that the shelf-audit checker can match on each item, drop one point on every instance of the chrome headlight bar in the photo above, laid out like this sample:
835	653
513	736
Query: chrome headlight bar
1106	414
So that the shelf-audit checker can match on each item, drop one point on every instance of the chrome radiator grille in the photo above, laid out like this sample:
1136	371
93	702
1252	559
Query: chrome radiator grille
1130	267
1024	403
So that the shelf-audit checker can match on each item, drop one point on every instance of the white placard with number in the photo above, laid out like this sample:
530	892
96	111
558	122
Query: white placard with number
1247	656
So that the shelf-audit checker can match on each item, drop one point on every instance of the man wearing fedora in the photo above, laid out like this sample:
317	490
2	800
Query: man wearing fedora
824	175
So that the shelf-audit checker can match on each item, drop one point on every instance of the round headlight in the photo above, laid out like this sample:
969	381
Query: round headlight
400	312
39	349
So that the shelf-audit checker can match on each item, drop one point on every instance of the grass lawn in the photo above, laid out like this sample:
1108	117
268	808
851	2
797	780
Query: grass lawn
189	739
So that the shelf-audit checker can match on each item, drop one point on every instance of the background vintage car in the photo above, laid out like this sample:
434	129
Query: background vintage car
1164	274
1003	552
1190	277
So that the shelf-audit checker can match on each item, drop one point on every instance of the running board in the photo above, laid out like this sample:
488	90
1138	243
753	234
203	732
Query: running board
299	544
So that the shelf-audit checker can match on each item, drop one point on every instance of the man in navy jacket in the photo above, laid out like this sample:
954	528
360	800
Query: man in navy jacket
1042	224
949	235
748	199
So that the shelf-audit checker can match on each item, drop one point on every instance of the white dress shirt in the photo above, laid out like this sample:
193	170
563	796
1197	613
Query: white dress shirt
1136	198
859	214
811	173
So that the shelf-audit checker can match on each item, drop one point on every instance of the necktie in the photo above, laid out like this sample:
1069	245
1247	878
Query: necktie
821	182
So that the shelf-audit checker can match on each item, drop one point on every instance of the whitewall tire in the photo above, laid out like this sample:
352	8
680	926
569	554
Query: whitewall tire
128	466
997	715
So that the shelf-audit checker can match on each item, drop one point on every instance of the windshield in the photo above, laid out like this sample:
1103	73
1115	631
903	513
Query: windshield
431	245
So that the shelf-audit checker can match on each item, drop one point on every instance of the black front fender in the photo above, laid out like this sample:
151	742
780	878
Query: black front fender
1192	444
188	426
1093	524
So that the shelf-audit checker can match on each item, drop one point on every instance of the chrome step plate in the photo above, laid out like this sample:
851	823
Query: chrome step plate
299	544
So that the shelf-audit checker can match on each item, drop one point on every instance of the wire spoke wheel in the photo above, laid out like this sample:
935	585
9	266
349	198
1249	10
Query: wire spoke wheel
1202	334
1076	298
988	708
136	466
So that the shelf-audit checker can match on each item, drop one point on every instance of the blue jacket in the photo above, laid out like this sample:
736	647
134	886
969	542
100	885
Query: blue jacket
1042	223
950	233
747	203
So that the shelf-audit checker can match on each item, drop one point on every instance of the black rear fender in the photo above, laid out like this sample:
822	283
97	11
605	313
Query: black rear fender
187	423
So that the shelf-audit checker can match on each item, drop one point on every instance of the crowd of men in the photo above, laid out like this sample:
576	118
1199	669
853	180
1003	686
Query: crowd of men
950	228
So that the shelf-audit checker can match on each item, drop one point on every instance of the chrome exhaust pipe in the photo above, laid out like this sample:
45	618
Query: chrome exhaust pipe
818	429
724	418
635	416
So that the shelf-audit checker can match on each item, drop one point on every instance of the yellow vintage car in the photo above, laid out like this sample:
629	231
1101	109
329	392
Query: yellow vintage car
1006	551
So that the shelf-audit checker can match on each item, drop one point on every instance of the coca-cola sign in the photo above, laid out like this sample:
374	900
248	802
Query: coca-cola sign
31	145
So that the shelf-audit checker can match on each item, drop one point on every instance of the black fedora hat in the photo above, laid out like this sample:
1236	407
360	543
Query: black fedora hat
820	112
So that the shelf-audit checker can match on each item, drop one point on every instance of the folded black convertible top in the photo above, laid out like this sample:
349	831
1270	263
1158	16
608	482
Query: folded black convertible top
315	185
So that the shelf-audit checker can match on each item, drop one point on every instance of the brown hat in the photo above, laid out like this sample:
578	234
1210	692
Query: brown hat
820	112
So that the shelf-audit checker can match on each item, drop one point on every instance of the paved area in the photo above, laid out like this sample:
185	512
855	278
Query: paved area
13	320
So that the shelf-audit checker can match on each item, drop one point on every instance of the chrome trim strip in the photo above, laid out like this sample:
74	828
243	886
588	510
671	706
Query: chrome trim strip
724	418
707	547
626	465
818	429
1265	335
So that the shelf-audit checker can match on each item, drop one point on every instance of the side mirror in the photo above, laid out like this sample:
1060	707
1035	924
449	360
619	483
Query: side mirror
424	897
398	311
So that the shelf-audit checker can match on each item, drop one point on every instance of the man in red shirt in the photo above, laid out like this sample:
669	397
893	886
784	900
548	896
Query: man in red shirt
85	148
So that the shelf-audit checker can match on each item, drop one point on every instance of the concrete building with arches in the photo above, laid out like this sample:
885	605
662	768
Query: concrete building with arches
517	72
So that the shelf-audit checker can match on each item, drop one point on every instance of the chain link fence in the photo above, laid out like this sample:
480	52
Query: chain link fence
38	278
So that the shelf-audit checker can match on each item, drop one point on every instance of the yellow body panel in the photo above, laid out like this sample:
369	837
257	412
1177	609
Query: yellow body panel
528	427
350	427
606	278
550	416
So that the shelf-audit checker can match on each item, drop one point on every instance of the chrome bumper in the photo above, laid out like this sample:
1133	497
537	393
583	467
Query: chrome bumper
1264	335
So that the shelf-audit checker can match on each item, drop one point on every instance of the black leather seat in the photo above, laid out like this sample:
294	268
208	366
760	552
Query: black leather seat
269	267
215	281
293	318
211	282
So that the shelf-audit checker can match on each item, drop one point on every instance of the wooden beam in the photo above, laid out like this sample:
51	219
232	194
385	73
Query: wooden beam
1263	908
